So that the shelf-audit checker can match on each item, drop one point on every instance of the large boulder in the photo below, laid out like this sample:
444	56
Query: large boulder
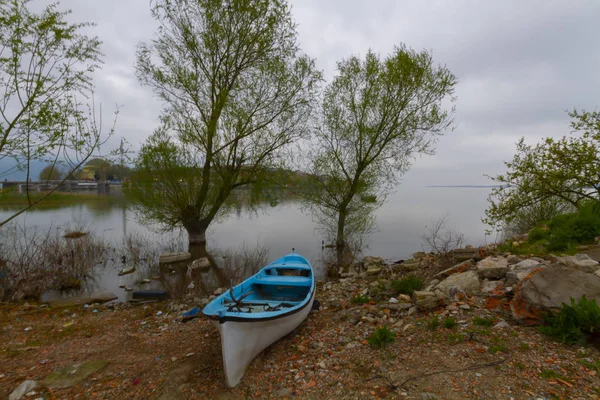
579	261
455	269
468	282
546	289
492	268
521	270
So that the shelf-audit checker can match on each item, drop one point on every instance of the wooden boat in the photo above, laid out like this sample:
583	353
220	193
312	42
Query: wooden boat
261	310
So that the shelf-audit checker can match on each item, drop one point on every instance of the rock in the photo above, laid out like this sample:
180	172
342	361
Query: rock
404	298
145	281
101	297
24	388
525	264
200	263
513	260
501	325
431	285
411	311
464	307
373	264
322	365
490	287
393	300
72	375
422	295
582	262
467	281
429	396
545	289
521	270
344	340
456	269
492	268
284	392
219	291
127	270
168	258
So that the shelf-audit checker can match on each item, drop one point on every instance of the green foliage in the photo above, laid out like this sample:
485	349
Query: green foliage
590	363
377	114
454	338
554	175
229	116
537	234
551	374
50	173
360	299
46	67
487	322
381	337
580	227
573	322
497	348
408	284
450	323
433	323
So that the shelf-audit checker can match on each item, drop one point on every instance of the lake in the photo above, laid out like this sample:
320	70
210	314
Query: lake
400	222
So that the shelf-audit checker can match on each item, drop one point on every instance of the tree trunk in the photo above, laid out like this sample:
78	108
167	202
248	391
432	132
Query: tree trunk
196	232
340	243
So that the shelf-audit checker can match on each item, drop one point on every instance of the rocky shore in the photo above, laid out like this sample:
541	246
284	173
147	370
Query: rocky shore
468	334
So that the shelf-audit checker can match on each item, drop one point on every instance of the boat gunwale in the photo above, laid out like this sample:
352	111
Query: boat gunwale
282	314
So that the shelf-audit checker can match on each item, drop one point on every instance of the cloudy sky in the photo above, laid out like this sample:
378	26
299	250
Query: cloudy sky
520	65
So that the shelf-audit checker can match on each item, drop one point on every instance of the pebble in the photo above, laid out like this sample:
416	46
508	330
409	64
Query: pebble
464	307
28	328
173	359
393	300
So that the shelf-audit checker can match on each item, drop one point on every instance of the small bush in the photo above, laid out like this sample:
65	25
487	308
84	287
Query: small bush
573	322
550	374
381	336
487	322
450	323
360	299
433	323
408	284
537	234
498	348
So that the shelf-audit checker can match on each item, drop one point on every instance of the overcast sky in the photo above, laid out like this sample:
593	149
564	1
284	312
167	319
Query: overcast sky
520	65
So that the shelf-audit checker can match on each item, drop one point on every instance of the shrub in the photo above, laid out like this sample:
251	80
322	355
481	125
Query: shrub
381	336
408	284
537	234
483	321
450	323
433	323
573	322
360	299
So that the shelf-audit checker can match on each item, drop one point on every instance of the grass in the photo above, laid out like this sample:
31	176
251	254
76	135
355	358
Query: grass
381	337
497	348
408	284
575	322
487	322
550	374
450	323
433	323
593	365
454	338
360	299
11	198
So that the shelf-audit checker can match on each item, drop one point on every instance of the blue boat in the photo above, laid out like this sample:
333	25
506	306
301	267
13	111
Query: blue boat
261	310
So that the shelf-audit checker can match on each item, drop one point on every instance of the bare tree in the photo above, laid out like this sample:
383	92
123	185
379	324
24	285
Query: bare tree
377	115
441	239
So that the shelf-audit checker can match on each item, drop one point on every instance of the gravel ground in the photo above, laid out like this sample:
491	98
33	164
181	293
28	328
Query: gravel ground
152	356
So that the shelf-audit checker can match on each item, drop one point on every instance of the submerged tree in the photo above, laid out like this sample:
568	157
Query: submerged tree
550	177
46	66
236	93
377	115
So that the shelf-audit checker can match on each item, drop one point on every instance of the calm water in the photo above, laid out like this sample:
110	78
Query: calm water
283	227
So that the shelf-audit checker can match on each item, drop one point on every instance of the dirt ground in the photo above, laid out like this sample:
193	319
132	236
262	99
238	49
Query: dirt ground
153	356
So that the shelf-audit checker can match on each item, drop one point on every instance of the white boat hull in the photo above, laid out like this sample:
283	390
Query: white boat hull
241	342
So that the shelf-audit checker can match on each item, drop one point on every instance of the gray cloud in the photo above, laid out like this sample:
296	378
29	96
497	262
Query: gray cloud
520	64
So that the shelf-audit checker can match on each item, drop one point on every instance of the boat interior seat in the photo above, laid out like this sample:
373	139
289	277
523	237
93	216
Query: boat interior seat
283	280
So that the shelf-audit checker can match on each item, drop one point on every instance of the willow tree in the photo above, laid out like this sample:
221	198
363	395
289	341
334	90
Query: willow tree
236	93
46	69
377	114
